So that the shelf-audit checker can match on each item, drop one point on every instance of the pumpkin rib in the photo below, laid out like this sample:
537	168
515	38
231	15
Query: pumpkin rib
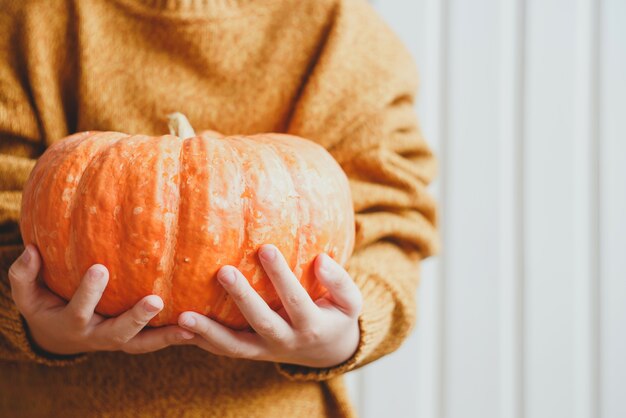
57	156
196	258
227	305
164	287
96	156
292	254
306	191
245	207
273	145
295	267
224	304
36	205
34	181
335	193
50	216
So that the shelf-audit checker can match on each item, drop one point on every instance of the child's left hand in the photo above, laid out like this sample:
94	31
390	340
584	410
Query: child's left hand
321	334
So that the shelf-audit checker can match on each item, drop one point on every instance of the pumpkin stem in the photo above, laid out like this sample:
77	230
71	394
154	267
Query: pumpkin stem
180	126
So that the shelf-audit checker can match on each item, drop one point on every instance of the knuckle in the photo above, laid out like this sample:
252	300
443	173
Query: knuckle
173	338
340	283
138	318
13	273
311	334
78	318
138	322
267	327
294	299
240	294
292	345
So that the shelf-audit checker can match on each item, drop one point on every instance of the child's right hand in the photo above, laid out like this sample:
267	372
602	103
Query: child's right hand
71	328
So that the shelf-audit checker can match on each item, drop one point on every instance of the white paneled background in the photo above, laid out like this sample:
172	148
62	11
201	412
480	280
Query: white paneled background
523	314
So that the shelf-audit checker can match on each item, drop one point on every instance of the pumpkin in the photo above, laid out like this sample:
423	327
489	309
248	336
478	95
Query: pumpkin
164	213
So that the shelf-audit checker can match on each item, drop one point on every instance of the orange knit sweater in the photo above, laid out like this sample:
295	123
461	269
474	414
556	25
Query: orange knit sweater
327	70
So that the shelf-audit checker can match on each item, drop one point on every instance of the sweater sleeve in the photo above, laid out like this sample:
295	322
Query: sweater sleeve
389	165
20	144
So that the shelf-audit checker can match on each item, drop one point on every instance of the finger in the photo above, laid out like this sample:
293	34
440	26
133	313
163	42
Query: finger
118	331
155	339
260	316
341	288
296	301
222	340
83	303
23	278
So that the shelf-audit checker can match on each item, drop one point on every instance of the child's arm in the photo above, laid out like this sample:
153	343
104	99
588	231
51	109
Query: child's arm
358	102
389	164
28	311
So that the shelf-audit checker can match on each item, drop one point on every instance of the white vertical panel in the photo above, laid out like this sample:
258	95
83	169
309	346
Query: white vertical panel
523	315
550	194
510	255
613	208
585	208
472	282
433	105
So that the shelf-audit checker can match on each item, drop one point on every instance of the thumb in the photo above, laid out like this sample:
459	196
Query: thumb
23	277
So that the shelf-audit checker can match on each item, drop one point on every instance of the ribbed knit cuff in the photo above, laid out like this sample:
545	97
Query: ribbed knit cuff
374	324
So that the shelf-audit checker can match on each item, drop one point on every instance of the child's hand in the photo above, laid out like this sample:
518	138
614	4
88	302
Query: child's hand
70	328
316	334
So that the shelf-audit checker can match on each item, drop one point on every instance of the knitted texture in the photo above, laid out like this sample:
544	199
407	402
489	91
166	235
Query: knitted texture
327	70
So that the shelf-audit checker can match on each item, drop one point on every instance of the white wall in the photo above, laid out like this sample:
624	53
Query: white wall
523	315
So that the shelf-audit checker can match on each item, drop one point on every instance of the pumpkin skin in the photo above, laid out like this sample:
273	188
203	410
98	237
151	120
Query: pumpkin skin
163	214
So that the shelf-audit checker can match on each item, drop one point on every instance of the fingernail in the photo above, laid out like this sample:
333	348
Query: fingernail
26	255
226	276
189	321
96	274
151	308
268	253
184	335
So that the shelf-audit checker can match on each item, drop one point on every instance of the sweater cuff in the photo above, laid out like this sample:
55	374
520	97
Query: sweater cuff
18	344
374	324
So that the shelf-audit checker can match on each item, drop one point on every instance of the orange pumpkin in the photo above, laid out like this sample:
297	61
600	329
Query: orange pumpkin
163	214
